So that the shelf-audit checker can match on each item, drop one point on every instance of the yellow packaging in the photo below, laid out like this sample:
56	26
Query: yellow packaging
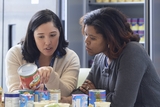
121	0
106	1
113	0
98	1
136	0
128	0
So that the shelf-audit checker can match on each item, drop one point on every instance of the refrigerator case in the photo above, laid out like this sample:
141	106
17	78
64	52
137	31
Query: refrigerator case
72	14
1	32
153	31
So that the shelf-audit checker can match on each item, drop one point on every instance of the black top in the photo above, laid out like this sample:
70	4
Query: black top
130	81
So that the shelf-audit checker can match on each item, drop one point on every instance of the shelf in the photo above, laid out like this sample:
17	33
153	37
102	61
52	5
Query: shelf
115	3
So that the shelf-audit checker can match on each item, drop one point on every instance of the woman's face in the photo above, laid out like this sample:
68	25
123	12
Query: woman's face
47	38
95	43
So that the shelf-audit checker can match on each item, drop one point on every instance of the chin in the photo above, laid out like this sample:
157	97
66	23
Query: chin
91	54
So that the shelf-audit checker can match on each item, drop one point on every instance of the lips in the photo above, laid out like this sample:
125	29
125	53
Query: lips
88	48
48	48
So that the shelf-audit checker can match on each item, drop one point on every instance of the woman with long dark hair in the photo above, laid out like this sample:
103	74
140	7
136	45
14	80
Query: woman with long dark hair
45	46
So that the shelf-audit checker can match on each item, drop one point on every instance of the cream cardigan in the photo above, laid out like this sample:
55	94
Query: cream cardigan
64	75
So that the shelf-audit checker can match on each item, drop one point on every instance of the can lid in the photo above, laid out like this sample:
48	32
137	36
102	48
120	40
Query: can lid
26	91
97	90
27	69
54	90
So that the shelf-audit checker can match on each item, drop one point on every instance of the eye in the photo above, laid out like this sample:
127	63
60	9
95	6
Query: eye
92	38
52	35
85	34
41	36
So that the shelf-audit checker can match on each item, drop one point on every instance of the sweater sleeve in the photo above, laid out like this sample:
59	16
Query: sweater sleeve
12	63
65	74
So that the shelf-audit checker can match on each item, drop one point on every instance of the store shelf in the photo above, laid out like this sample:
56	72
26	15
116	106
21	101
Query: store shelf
115	3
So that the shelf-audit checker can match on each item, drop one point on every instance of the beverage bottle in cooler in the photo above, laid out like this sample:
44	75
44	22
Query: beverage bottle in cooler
141	29
134	25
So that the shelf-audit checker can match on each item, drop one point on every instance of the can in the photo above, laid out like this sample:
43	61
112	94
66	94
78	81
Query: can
29	75
55	95
11	99
96	95
79	100
26	100
40	95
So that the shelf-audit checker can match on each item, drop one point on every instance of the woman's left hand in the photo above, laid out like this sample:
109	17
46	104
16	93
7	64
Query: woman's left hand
86	86
45	73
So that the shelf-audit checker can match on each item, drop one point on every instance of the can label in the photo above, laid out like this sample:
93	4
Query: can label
29	75
11	99
26	100
55	95
41	95
96	95
79	100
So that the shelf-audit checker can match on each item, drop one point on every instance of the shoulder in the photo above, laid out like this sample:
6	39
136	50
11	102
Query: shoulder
69	56
134	45
134	48
14	51
71	53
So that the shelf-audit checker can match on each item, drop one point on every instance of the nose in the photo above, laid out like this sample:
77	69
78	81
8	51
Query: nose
86	40
47	41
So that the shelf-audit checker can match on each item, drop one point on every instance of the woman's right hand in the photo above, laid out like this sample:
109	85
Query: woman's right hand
45	73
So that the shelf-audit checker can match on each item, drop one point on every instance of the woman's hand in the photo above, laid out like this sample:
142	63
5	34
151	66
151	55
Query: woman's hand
66	100
23	86
45	73
86	86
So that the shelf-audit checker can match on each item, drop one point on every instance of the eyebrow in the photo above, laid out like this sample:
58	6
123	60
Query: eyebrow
92	35
50	32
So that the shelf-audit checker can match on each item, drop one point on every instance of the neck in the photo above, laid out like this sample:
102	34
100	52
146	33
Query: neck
109	61
44	60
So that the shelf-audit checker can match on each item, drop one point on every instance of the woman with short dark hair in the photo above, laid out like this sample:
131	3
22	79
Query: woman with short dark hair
121	66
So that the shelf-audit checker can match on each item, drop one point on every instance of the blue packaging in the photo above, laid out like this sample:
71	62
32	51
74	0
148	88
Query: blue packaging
79	100
40	95
26	100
